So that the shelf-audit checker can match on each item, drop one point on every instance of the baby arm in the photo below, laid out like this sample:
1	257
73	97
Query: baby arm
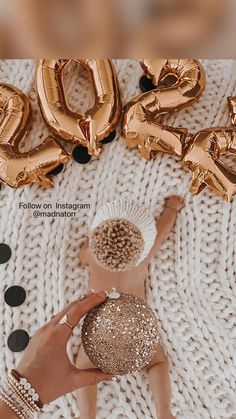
166	222
158	377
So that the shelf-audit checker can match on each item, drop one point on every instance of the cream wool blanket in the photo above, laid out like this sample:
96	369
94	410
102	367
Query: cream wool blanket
191	281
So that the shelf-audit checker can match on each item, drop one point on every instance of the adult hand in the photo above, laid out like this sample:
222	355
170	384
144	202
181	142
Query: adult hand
46	364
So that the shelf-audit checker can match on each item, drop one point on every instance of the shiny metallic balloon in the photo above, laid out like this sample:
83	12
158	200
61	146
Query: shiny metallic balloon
16	168
203	154
87	129
178	83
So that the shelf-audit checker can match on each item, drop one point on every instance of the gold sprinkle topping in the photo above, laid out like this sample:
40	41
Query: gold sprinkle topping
116	244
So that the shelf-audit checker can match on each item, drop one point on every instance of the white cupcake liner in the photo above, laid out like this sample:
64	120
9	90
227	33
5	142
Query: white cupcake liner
139	216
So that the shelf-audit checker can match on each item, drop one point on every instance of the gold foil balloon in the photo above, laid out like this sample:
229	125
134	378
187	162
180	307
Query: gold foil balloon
202	157
121	335
178	84
232	109
87	129
16	168
16	110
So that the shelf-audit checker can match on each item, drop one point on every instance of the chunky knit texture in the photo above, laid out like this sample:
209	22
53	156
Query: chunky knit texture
191	281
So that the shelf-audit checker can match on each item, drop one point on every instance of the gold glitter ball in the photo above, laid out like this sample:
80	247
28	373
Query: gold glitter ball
120	336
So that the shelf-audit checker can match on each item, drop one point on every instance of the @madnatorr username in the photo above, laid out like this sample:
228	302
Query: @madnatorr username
53	214
55	205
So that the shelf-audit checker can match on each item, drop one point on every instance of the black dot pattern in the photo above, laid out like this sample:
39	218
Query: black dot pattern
15	296
5	253
80	155
146	84
111	137
57	170
18	340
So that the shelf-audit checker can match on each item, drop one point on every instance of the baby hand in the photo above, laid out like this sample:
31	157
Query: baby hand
175	202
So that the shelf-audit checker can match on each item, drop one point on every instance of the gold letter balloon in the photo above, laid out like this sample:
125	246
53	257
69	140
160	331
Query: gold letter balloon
21	168
87	129
202	157
178	84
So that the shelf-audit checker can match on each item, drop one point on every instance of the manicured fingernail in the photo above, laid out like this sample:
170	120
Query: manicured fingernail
108	378
103	294
114	379
92	291
107	293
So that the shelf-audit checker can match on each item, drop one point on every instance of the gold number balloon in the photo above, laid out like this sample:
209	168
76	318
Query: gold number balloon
18	169
202	157
140	126
87	129
232	109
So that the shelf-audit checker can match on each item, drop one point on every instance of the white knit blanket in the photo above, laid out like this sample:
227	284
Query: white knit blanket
192	279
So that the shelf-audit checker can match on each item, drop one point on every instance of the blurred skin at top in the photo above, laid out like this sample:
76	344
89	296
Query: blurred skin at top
180	28
120	28
56	28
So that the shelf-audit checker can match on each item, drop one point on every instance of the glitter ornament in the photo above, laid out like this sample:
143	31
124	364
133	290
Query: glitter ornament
121	335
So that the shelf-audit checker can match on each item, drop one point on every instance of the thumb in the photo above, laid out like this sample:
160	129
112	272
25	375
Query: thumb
89	377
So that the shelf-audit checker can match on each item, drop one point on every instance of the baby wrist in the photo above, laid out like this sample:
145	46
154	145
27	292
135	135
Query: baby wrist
174	209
